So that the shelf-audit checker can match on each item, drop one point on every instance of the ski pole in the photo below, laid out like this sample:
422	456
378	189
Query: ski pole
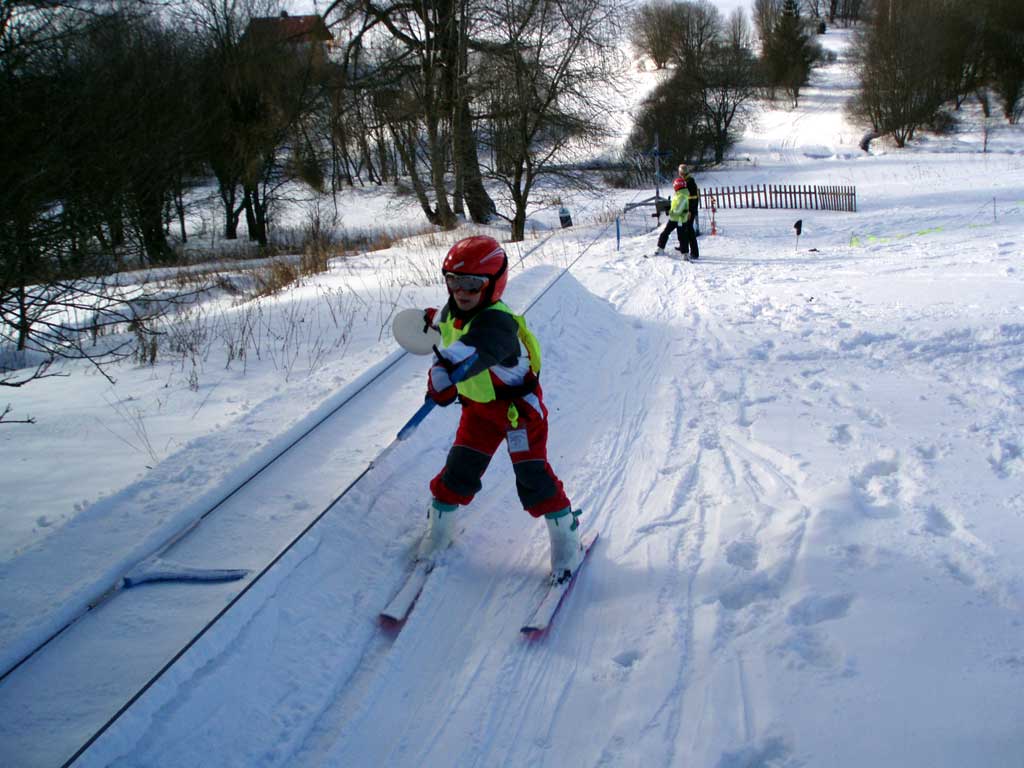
457	375
420	415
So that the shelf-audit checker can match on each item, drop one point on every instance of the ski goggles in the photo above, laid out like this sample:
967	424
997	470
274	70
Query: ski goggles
466	283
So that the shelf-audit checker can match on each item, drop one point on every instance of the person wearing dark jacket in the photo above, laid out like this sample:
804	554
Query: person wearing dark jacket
501	401
688	234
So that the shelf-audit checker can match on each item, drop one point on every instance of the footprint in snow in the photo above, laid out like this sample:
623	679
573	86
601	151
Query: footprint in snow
840	435
1006	458
755	588
627	659
619	670
761	351
1014	661
936	523
871	417
805	647
709	441
959	571
815	609
742	554
768	752
877	488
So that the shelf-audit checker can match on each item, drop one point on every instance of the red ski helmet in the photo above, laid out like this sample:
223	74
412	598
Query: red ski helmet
479	255
678	184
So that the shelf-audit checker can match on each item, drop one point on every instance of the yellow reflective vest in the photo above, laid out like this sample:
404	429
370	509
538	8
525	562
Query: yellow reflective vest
680	205
480	386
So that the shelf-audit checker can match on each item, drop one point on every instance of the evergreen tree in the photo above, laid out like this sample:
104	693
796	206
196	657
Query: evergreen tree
789	52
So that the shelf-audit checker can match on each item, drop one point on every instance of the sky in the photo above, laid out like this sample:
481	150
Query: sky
804	457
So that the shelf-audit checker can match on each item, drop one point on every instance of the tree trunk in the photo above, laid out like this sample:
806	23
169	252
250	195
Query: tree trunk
179	207
256	215
519	200
250	215
115	228
481	206
23	275
443	211
231	223
151	227
519	224
407	152
24	325
228	195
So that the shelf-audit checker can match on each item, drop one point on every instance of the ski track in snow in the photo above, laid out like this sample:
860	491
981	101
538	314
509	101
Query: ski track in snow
705	529
764	440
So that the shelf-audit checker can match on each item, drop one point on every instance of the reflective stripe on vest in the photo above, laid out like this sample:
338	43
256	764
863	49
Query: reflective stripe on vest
480	387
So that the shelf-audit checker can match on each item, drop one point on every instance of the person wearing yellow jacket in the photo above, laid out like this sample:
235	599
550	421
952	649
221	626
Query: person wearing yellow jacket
501	401
677	214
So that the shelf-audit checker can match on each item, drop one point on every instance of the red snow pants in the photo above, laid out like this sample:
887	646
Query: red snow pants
482	429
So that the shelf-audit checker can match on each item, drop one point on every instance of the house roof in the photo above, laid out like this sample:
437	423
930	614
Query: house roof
288	29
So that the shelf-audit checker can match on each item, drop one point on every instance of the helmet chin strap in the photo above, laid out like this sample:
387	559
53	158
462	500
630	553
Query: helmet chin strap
489	297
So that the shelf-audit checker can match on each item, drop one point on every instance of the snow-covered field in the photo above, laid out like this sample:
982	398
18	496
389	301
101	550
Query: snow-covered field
805	459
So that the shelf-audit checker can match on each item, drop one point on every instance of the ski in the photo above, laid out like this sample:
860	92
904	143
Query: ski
398	609
544	613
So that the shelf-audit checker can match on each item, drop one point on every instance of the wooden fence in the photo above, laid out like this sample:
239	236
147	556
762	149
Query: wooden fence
827	198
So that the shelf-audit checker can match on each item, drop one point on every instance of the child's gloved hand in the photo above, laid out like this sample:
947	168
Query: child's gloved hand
428	318
440	387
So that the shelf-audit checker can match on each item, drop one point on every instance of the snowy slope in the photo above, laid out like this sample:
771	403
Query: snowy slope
806	461
810	514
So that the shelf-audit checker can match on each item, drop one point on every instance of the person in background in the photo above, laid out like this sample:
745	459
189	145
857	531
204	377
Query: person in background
498	364
688	237
676	216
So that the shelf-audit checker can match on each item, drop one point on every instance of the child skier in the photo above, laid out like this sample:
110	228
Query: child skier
677	214
501	400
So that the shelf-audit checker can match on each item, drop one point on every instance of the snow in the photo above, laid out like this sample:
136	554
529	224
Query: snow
805	458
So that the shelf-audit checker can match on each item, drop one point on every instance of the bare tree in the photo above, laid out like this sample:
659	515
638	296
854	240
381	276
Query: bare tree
729	84
766	16
548	64
218	27
420	84
698	26
90	190
653	31
1003	35
901	89
847	11
814	8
